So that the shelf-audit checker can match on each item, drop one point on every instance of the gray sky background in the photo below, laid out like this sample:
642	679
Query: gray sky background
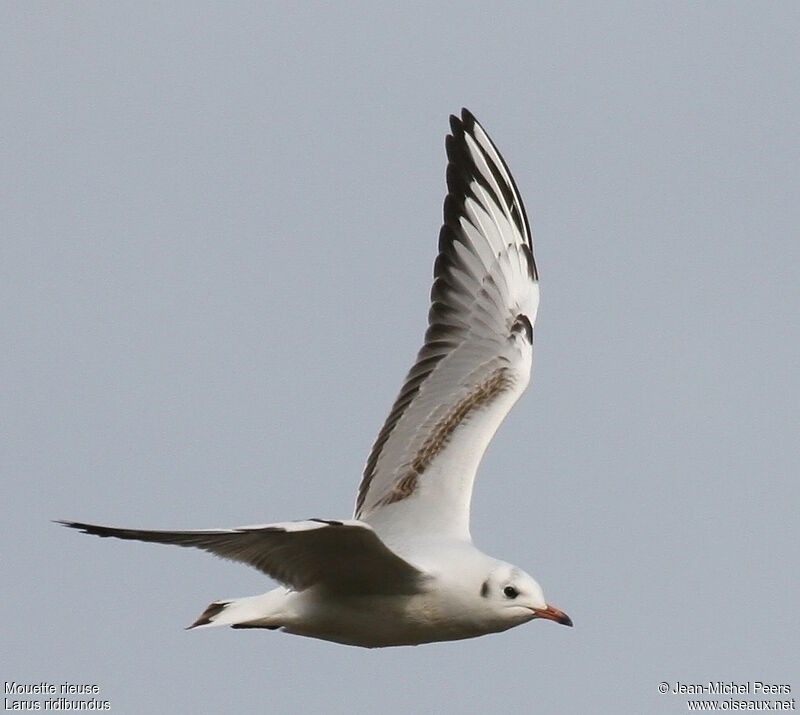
220	222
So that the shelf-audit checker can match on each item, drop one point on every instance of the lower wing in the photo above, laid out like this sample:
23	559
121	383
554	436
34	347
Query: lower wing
340	556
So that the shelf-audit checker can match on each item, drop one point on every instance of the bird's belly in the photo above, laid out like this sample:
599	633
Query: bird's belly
380	621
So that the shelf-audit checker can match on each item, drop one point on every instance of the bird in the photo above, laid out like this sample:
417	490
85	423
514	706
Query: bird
404	571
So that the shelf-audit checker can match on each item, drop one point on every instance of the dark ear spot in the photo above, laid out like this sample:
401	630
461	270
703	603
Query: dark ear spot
485	588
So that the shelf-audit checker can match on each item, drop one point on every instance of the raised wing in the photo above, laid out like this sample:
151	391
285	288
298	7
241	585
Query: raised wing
476	359
341	556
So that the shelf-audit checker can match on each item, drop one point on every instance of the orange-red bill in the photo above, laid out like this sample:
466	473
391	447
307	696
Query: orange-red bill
551	613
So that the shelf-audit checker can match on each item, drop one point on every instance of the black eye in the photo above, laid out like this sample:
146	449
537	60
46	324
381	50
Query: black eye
510	592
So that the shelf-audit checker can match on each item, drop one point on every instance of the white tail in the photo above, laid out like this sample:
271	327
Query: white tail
262	611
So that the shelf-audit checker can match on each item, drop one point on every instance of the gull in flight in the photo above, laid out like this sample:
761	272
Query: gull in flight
404	570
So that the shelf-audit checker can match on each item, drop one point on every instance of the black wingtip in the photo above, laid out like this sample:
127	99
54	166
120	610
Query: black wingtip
455	127
465	123
68	524
93	529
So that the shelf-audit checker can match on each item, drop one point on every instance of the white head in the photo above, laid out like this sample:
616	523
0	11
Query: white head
514	597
